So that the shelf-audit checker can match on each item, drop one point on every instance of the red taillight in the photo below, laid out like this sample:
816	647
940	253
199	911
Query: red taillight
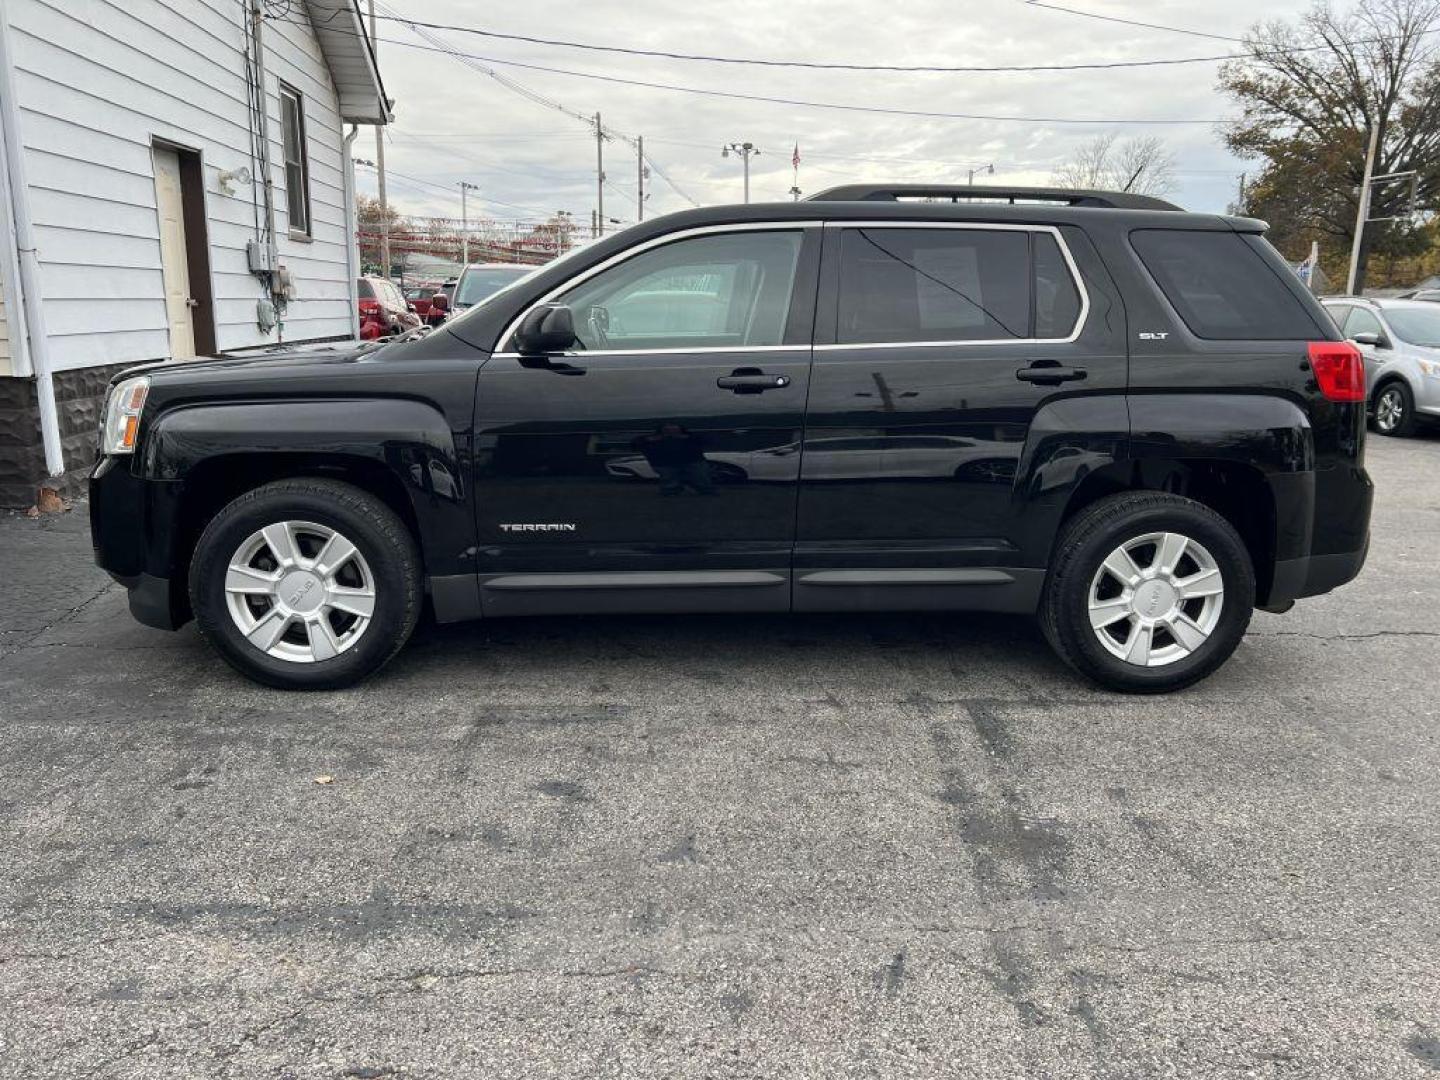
368	306
1339	369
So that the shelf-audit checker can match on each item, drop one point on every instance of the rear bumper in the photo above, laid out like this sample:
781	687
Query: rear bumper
1315	574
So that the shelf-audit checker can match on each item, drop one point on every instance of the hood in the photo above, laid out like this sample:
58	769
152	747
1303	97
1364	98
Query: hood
276	359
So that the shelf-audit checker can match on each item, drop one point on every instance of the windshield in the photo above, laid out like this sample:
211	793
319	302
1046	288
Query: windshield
476	285
1415	325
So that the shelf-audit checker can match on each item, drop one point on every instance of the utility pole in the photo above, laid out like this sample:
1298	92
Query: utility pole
380	162
599	229
1363	212
465	186
640	177
744	149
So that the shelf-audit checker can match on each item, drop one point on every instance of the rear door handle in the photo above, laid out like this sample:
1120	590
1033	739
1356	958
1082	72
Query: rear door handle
1050	374
751	382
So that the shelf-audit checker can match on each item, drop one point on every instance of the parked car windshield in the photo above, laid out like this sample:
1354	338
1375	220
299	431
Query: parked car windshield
476	285
1415	325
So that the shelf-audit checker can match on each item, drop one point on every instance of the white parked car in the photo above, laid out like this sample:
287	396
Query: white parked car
1400	340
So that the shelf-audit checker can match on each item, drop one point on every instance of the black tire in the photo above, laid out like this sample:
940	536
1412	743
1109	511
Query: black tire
1404	401
1097	531
380	537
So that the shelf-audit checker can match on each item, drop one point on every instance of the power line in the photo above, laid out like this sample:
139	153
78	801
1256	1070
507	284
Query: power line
1131	22
817	65
476	61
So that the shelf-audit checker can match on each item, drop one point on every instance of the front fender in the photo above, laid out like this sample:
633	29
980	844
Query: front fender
409	439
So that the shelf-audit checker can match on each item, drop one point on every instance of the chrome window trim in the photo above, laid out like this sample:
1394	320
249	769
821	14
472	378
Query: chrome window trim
630	253
983	226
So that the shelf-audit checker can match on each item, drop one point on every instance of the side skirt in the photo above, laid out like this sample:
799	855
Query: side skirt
1006	589
969	588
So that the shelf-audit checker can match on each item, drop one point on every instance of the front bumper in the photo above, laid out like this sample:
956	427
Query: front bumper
131	529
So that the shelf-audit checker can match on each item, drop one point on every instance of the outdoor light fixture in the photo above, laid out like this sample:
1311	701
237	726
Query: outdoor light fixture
228	179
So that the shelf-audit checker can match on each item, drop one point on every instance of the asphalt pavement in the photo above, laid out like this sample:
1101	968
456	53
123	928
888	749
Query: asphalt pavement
820	846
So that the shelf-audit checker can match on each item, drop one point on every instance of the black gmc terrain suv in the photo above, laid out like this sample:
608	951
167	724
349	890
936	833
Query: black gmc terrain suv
1130	421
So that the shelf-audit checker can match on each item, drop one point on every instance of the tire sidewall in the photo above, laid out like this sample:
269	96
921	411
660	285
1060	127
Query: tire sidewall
1072	600
1407	408
389	626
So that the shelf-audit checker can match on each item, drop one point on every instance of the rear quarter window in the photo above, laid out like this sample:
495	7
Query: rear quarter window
1221	287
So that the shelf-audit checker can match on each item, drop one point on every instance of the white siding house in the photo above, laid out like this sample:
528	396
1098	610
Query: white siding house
140	182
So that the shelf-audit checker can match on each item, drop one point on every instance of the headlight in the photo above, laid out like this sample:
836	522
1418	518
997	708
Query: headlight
122	415
1431	368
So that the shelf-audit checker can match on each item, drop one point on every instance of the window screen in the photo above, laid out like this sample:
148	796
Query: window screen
1221	286
297	165
934	285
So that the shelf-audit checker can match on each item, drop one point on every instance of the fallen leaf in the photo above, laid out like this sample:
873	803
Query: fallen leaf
327	779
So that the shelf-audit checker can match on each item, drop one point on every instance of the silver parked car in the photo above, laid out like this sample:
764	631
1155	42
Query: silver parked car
1401	343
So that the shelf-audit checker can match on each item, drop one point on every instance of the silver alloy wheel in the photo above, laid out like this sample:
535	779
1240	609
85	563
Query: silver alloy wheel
299	591
1156	599
1389	409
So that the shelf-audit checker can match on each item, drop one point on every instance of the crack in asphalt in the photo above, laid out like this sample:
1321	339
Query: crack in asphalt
1346	637
31	642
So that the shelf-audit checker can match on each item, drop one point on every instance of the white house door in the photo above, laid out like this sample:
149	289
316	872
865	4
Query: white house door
174	256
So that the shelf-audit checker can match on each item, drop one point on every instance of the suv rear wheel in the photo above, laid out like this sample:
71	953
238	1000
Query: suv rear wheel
1148	593
306	584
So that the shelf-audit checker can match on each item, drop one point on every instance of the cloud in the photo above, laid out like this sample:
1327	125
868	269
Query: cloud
454	123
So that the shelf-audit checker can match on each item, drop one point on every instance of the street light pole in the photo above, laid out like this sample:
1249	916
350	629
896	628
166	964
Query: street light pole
744	149
465	186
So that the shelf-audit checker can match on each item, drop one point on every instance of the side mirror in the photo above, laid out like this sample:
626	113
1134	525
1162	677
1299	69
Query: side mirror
549	328
1367	338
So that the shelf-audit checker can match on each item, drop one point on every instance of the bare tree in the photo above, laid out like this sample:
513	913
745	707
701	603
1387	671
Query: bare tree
1141	165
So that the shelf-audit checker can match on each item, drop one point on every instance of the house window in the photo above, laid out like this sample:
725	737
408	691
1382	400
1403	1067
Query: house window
297	162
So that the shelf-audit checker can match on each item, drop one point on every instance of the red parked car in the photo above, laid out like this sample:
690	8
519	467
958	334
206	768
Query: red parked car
419	297
383	310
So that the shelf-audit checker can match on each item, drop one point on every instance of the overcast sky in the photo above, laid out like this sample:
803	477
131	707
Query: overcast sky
454	123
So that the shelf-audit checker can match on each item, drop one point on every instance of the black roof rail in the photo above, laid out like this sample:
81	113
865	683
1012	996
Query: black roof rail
1115	200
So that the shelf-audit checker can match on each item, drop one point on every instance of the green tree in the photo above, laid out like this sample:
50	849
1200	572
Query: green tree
369	217
1310	94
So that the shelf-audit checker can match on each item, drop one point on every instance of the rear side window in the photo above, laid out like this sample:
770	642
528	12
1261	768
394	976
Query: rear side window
900	285
1222	288
915	285
1057	301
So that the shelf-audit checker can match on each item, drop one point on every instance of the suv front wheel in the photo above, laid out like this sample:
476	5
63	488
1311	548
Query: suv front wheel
306	584
1148	592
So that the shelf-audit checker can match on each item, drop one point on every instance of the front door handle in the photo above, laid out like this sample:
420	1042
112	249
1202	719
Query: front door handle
751	381
1050	374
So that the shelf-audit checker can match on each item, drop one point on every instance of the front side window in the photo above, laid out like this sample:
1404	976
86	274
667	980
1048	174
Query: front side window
917	285
1363	322
297	163
726	290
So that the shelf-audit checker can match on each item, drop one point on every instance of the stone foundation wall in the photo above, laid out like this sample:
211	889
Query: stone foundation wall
79	399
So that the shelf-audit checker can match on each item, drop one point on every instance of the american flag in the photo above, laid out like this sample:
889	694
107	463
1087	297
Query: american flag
795	157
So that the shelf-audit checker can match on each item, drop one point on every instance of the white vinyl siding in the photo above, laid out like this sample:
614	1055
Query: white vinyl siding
6	368
96	82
